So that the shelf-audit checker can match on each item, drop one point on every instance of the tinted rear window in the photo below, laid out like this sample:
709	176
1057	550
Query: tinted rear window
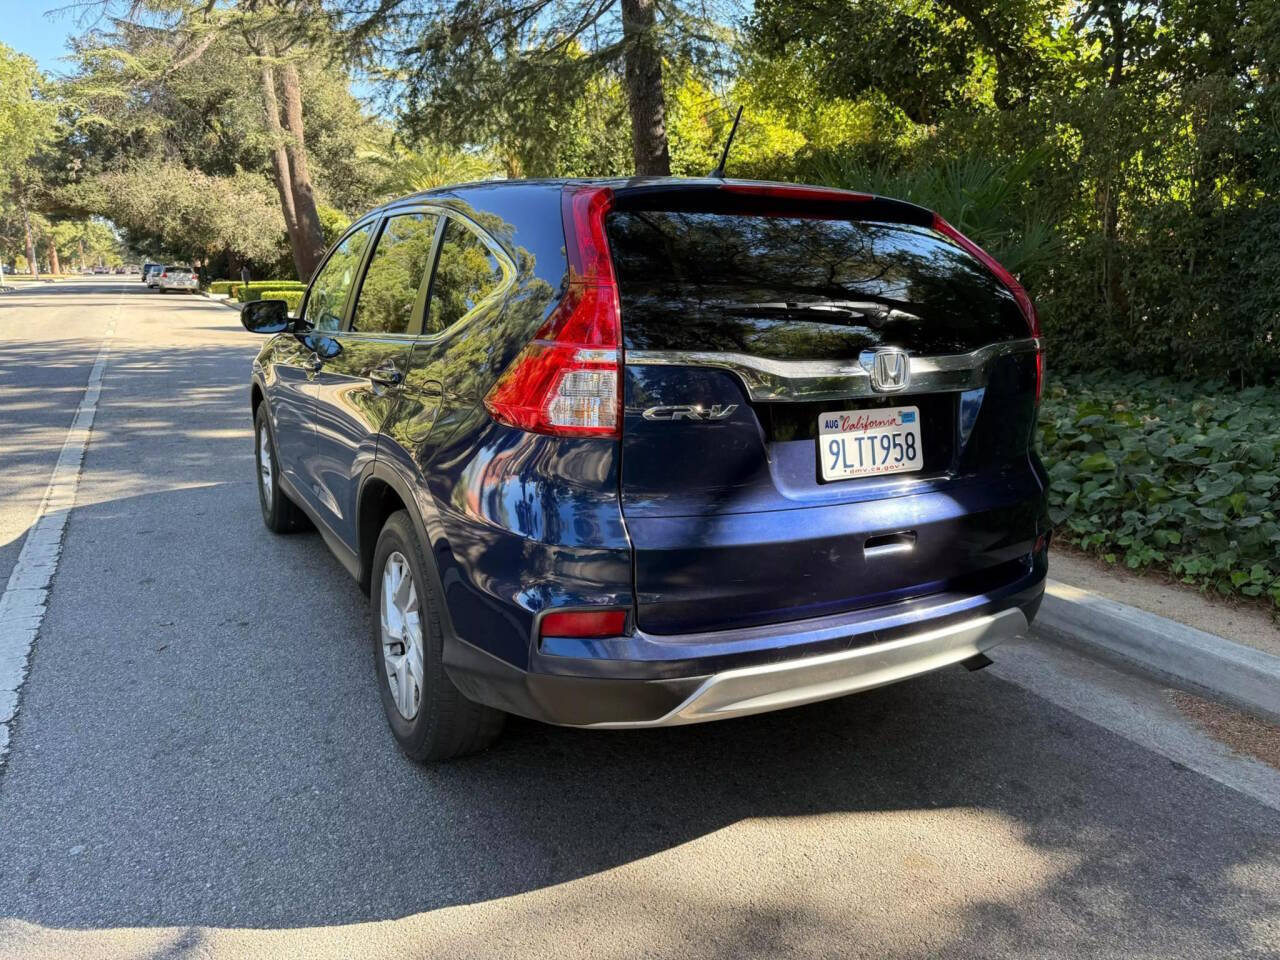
796	288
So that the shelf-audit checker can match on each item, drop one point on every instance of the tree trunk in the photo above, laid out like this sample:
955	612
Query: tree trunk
80	257
54	266
33	267
280	165
310	234
1108	195
643	78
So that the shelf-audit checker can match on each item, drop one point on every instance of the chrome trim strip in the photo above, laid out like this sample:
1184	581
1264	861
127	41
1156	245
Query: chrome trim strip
792	683
768	379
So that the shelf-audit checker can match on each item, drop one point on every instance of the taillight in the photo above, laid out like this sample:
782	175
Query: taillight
583	623
1020	295
566	382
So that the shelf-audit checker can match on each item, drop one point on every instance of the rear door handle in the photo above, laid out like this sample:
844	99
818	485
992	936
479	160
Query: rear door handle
386	375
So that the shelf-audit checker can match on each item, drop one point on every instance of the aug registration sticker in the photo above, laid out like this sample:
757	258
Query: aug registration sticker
862	443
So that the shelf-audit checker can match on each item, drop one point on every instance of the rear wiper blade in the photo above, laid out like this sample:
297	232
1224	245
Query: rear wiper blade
844	307
792	306
871	309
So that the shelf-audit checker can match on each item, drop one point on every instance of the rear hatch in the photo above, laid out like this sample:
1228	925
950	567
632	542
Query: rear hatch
829	402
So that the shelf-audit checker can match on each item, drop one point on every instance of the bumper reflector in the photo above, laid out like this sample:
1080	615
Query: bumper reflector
583	623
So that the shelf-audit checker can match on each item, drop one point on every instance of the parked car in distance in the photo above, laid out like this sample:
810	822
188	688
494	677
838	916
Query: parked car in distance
177	277
149	272
636	453
99	270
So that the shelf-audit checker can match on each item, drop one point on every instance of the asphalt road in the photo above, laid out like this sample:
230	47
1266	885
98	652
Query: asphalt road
200	765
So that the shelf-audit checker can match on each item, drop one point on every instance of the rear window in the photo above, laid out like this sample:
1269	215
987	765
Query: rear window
800	289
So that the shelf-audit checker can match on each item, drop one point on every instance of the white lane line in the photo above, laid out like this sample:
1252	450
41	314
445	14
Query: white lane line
22	605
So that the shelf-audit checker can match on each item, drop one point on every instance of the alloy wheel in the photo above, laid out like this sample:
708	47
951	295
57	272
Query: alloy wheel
402	635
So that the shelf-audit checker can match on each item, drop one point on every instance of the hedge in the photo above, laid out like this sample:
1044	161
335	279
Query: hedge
290	296
1156	472
254	291
242	292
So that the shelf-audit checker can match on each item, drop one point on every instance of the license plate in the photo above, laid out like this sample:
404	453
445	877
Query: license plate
864	443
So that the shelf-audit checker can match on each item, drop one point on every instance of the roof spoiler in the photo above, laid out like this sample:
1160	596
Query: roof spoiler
761	198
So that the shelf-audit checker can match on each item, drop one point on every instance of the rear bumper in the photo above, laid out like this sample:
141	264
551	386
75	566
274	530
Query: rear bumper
792	683
634	694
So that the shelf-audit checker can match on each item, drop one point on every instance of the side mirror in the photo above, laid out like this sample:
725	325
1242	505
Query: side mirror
265	316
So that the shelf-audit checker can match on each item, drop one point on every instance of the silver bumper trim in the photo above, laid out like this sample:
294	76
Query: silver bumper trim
747	690
767	379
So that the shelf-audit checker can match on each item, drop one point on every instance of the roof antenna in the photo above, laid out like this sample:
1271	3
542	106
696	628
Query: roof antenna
718	172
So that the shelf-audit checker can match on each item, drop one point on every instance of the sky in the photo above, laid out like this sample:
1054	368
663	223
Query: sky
24	26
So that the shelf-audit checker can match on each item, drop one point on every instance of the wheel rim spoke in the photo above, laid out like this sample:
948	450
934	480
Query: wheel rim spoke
402	644
264	464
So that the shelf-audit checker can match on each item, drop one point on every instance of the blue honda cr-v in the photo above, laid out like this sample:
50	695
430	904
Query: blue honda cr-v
644	452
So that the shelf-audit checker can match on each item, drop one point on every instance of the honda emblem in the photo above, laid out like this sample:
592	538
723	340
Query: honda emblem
890	369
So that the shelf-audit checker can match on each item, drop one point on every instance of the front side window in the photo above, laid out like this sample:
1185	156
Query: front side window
328	297
466	274
395	275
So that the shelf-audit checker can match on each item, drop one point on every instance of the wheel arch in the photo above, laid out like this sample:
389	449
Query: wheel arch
382	493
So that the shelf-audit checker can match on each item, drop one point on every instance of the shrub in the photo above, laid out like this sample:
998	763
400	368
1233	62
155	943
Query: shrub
1179	475
288	294
221	286
251	291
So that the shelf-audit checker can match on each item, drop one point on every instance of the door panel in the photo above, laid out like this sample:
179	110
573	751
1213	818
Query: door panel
364	377
323	313
351	407
289	400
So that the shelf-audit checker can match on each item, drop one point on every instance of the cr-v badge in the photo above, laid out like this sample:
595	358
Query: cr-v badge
690	411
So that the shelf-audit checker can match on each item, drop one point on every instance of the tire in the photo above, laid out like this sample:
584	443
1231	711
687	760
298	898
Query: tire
445	724
279	513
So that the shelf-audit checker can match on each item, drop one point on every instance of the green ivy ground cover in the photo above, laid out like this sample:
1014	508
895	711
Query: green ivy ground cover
1153	472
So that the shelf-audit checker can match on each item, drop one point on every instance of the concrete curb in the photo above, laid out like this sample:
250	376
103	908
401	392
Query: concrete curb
1232	671
225	301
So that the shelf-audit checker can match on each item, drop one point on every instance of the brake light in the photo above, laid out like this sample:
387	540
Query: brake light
1020	295
566	382
583	623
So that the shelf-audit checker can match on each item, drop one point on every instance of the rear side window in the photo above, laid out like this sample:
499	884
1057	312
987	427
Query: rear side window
396	274
466	273
794	288
328	297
